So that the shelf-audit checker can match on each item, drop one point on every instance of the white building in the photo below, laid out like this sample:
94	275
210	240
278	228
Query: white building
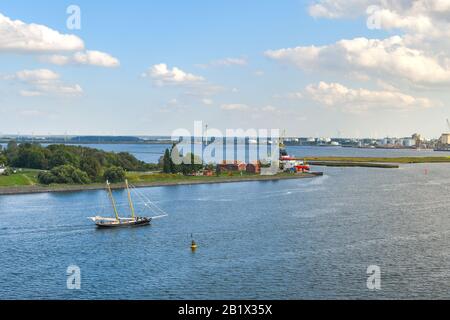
272	170
2	169
388	141
445	138
408	142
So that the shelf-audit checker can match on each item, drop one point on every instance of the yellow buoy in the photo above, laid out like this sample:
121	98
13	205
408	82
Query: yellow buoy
193	245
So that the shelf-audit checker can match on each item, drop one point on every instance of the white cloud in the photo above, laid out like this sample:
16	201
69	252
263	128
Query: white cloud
290	95
96	58
162	75
57	59
269	108
333	9
203	90
173	101
42	82
29	93
36	76
338	96
235	107
383	58
424	21
18	36
207	101
349	8
89	57
419	54
226	62
30	113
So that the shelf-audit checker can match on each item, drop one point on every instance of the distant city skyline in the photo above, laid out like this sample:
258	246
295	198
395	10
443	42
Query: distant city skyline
320	68
129	138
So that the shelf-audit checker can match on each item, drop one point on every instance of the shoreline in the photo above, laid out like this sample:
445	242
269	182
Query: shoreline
376	160
349	164
4	191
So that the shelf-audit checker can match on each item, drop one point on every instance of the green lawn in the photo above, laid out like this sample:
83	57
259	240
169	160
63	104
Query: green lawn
29	178
21	178
139	177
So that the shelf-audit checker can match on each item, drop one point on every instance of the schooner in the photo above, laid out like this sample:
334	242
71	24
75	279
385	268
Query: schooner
133	221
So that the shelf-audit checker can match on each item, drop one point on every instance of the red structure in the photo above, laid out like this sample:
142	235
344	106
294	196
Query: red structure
240	167
254	168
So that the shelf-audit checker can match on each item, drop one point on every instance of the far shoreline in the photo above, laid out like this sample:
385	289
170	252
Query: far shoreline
22	190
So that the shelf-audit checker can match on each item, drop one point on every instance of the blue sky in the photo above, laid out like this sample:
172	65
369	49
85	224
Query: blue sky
229	79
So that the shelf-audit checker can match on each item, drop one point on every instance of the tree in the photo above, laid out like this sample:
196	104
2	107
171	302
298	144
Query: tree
92	167
12	146
72	164
66	174
3	159
11	151
62	157
218	170
191	164
114	174
30	156
167	162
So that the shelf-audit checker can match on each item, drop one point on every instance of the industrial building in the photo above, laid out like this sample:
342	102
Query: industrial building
445	139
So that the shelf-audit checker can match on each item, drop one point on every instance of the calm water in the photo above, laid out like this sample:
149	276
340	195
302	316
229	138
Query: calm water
263	240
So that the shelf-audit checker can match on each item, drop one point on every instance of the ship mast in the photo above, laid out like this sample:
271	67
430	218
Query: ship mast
112	201
130	202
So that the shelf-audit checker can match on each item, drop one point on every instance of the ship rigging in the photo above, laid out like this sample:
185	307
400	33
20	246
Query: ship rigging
134	220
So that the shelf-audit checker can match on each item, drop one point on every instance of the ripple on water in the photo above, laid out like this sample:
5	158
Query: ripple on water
288	239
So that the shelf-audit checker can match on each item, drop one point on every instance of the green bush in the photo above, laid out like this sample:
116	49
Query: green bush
46	177
66	174
114	174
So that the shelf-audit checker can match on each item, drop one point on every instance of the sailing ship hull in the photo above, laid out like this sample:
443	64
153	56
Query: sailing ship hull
124	224
118	222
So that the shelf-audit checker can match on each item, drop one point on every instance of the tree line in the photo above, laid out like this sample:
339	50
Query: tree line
190	163
71	164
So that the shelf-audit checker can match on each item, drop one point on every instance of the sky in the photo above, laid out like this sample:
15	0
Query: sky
321	68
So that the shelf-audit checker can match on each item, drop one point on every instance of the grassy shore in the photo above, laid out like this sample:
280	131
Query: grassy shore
354	164
26	181
398	160
21	178
372	162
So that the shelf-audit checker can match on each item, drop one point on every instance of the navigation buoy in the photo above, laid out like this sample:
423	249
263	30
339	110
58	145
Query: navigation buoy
193	244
